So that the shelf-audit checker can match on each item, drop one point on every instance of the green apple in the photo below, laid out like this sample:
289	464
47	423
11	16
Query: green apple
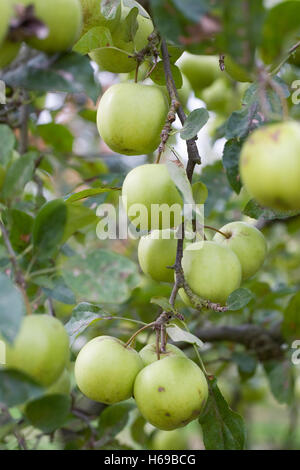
171	393
236	71
211	270
63	19
149	354
105	369
201	70
185	91
40	350
247	242
131	116
156	252
218	97
8	52
92	16
116	57
254	390
270	165
62	386
170	440
151	198
6	13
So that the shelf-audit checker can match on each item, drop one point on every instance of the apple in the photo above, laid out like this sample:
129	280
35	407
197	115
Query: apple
171	393
6	13
8	52
219	97
185	91
201	70
149	354
156	252
92	16
151	198
131	116
247	242
63	19
170	440
116	57
62	386
236	71
40	350
270	165
105	370
211	270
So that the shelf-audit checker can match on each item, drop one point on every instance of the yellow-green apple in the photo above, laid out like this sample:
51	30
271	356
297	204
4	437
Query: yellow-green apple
6	14
236	71
201	70
171	393
8	52
62	386
270	165
247	242
131	116
212	271
105	369
149	354
40	350
151	198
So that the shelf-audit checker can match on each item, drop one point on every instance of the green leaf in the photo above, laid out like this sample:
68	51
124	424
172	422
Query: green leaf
88	193
8	141
178	334
101	276
158	75
164	304
109	8
280	376
78	217
192	10
223	429
112	420
179	176
214	177
291	318
96	37
239	298
194	122
18	175
59	291
255	211
231	157
168	25
17	388
49	412
12	308
82	317
57	136
200	192
21	228
49	226
246	364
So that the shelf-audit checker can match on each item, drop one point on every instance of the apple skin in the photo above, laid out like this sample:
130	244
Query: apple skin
6	13
148	185
247	242
211	270
8	52
270	165
40	350
155	254
201	70
105	370
170	440
62	386
64	20
131	116
236	71
171	393
148	353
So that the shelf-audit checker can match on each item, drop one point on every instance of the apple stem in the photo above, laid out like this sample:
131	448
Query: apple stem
138	332
226	235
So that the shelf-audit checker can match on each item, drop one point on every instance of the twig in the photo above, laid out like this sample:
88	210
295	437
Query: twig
24	117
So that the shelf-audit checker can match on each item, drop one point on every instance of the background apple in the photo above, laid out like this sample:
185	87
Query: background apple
162	191
64	20
236	71
270	165
171	393
40	350
212	271
8	52
247	242
62	386
6	13
149	355
105	370
201	70
131	116
155	254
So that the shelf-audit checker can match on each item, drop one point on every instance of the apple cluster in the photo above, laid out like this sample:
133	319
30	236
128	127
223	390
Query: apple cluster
169	392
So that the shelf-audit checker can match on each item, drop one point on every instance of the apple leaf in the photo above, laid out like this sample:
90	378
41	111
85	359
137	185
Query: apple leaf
17	388
109	8
222	428
158	75
255	211
194	122
281	379
18	175
291	318
200	192
178	334
246	364
59	291
192	10
82	317
112	420
239	298
231	157
96	37
11	301
88	193
8	141
57	136
49	412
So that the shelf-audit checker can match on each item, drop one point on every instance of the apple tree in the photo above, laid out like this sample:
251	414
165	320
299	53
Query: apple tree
150	224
